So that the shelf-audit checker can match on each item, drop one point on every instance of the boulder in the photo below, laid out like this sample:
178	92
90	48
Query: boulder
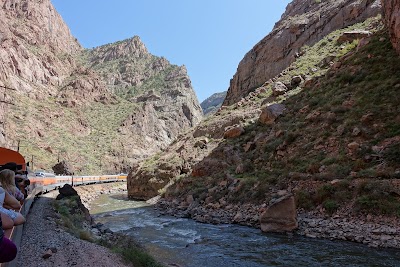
280	216
63	168
296	80
47	254
352	35
279	88
270	113
200	144
233	131
66	191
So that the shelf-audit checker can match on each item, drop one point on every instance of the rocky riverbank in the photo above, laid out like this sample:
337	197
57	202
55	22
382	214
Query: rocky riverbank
374	231
91	192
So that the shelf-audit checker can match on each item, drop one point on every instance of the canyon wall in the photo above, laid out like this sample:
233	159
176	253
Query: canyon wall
304	23
391	11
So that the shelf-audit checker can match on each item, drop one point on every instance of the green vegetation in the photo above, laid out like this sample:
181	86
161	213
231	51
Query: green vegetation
73	219
378	197
137	257
91	135
130	251
343	125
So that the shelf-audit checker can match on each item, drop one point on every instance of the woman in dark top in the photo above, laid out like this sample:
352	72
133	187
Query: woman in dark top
8	250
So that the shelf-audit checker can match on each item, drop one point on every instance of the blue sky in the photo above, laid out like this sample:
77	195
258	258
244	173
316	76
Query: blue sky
209	37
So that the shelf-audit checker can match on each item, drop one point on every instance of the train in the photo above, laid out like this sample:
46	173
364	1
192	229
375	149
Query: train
40	183
44	182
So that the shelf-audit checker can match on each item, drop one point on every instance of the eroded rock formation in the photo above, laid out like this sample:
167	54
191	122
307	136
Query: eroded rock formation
304	23
165	100
102	109
36	46
391	10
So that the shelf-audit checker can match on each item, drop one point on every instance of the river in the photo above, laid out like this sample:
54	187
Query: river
187	243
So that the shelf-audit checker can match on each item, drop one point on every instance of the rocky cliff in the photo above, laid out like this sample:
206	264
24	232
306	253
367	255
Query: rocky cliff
304	23
391	10
325	130
36	51
36	46
332	142
213	103
100	110
165	102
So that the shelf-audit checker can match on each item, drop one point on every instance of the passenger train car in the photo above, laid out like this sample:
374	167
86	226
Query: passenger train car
41	184
47	181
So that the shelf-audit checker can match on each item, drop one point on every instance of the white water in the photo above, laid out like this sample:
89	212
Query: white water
191	244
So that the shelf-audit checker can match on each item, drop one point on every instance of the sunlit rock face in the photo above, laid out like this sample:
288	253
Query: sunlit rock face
117	101
304	23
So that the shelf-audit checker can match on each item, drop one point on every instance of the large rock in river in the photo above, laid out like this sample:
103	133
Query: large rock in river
280	216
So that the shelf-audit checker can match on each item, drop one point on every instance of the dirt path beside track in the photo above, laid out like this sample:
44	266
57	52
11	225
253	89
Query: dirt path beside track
42	233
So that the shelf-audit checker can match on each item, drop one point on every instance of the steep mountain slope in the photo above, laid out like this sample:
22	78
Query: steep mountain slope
164	100
304	22
213	103
334	146
36	49
189	154
100	110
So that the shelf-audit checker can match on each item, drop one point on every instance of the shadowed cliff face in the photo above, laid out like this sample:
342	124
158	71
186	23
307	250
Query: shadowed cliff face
391	11
304	23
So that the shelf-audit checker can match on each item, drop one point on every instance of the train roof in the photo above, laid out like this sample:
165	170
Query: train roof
12	156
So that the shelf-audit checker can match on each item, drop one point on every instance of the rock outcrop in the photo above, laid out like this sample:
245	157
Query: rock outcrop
391	11
36	46
165	100
213	103
304	23
117	101
35	53
63	168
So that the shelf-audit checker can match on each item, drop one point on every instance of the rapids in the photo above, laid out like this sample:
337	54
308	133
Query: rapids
187	243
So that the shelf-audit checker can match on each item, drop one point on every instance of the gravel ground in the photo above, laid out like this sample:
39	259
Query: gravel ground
41	233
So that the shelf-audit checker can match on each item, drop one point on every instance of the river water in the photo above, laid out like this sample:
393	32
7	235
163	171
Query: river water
186	243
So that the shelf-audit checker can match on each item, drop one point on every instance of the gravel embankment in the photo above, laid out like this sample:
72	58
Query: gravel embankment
42	233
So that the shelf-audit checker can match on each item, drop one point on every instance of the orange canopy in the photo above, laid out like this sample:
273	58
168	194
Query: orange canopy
8	155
